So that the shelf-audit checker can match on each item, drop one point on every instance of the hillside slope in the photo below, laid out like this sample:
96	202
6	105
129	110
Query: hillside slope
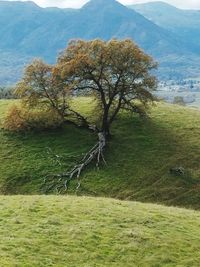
184	23
45	31
73	231
139	157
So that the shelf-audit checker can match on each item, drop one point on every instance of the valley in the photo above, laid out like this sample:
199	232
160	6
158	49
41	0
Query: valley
44	32
99	136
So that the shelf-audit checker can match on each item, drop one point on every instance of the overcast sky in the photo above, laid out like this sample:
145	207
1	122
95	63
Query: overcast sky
189	4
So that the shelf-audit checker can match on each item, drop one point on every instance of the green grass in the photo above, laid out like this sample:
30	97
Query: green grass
139	157
78	231
60	231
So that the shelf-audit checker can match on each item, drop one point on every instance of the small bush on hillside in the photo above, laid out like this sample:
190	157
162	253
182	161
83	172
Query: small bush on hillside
19	118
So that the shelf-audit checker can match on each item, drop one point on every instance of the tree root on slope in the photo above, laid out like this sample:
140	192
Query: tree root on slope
60	182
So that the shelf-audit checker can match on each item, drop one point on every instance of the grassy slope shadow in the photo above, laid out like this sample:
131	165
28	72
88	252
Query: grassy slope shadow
139	158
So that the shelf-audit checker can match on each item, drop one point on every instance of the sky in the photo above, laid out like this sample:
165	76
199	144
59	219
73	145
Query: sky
184	4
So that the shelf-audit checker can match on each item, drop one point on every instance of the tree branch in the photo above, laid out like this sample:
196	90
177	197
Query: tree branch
61	182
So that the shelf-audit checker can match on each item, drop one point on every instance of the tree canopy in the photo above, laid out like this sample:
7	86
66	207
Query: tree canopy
117	73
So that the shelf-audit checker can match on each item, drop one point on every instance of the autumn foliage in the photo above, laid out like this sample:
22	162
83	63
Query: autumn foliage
19	118
117	74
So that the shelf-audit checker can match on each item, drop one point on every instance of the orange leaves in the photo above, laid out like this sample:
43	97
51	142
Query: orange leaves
116	72
14	120
19	118
97	55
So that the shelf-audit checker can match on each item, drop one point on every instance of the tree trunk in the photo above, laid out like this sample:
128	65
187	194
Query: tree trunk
105	128
61	182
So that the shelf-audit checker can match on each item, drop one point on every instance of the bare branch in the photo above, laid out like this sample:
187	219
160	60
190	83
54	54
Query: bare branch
62	181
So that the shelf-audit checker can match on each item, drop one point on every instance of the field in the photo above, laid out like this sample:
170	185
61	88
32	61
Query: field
71	231
139	157
39	231
192	97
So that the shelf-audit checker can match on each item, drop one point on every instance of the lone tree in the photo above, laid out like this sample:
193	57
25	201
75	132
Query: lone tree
118	74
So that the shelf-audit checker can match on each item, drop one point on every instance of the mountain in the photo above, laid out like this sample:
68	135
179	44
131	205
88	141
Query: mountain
38	31
27	31
184	23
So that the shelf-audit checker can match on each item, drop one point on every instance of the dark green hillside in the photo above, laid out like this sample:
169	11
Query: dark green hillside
139	158
72	231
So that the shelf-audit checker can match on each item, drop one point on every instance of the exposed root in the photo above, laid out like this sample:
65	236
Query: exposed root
61	182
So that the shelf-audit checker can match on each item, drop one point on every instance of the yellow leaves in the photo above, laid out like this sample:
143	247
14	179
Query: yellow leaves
21	89
14	119
113	66
82	56
114	71
20	118
38	65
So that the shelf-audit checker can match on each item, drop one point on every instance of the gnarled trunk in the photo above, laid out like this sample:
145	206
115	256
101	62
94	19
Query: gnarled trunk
105	127
106	130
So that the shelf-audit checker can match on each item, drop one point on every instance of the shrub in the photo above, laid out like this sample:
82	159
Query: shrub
19	118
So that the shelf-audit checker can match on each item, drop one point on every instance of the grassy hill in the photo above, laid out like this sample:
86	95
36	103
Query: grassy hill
79	231
139	157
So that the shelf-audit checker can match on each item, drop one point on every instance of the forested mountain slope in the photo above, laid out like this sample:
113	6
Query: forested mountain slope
28	31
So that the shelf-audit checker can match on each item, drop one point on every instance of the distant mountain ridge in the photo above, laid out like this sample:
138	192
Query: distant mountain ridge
184	23
27	31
